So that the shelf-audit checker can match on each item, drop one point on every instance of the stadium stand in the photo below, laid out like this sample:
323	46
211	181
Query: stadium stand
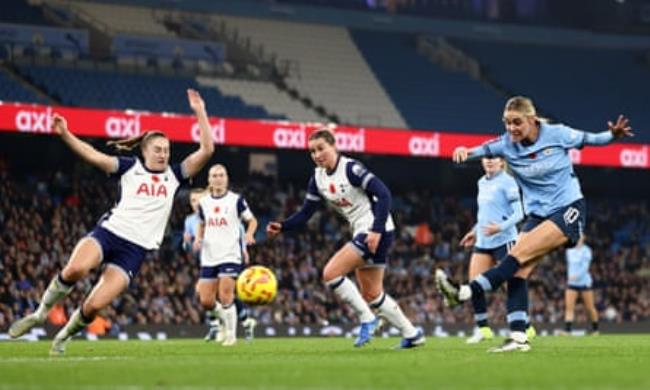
136	91
427	96
11	89
325	65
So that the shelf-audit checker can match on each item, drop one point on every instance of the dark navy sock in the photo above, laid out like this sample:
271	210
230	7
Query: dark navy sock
568	326
493	278
210	316
479	304
242	310
594	326
517	304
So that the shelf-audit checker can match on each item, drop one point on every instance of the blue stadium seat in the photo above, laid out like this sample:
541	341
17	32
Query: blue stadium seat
12	90
106	89
427	96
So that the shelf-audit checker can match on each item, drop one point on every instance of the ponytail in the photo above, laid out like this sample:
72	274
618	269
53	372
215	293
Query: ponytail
128	144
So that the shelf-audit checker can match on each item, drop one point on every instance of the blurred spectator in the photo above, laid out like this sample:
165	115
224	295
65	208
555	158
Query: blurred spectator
38	230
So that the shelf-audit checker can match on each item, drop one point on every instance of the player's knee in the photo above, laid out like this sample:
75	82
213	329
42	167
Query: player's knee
329	274
73	272
91	308
226	298
207	302
371	295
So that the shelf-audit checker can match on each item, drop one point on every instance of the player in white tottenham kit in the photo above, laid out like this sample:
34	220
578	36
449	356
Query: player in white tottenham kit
364	201
131	229
220	240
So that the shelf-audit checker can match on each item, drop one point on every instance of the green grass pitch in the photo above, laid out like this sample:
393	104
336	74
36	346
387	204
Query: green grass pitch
568	363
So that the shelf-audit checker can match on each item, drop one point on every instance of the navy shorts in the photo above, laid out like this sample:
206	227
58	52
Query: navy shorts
570	219
497	253
578	288
119	252
380	256
222	270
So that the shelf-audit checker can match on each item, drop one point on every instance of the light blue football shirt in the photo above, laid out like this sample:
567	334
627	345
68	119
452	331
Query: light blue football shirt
544	170
498	200
578	261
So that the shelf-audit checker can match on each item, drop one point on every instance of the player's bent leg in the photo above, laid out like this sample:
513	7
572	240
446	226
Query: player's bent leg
343	262
112	282
243	316
207	291
226	297
371	281
86	256
539	241
479	263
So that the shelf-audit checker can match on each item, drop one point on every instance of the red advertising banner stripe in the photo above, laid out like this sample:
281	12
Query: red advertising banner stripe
28	118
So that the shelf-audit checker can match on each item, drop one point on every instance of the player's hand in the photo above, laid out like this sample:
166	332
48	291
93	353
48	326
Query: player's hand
196	247
491	229
372	240
620	129
469	239
196	101
460	155
273	229
59	124
250	240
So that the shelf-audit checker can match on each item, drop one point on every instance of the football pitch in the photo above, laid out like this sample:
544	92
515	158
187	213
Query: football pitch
576	363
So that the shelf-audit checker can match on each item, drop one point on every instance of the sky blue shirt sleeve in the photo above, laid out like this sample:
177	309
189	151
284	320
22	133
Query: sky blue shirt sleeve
513	196
491	148
572	138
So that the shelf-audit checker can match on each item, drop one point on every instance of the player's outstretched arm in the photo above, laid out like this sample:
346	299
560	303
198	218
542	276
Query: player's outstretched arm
463	153
251	227
619	129
198	240
273	228
101	160
197	160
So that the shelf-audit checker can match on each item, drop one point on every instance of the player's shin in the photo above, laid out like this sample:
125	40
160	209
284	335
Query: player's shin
390	310
348	292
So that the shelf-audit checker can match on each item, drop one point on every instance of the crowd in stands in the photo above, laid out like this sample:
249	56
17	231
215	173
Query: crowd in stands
42	216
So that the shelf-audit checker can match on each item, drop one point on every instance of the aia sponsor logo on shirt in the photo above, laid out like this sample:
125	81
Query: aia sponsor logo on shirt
152	190
216	222
342	202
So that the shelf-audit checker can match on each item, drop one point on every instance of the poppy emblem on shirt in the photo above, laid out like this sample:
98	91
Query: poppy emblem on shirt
217	209
155	179
532	156
332	188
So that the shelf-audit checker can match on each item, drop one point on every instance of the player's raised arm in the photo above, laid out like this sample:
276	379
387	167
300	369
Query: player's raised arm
197	160
493	148
299	218
101	160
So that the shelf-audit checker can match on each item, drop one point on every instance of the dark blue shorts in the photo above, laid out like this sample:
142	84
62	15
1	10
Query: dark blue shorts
119	252
380	256
231	270
578	288
570	219
497	253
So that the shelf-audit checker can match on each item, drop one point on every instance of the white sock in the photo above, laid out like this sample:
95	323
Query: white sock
390	310
75	325
465	292
54	292
230	320
519	337
349	293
